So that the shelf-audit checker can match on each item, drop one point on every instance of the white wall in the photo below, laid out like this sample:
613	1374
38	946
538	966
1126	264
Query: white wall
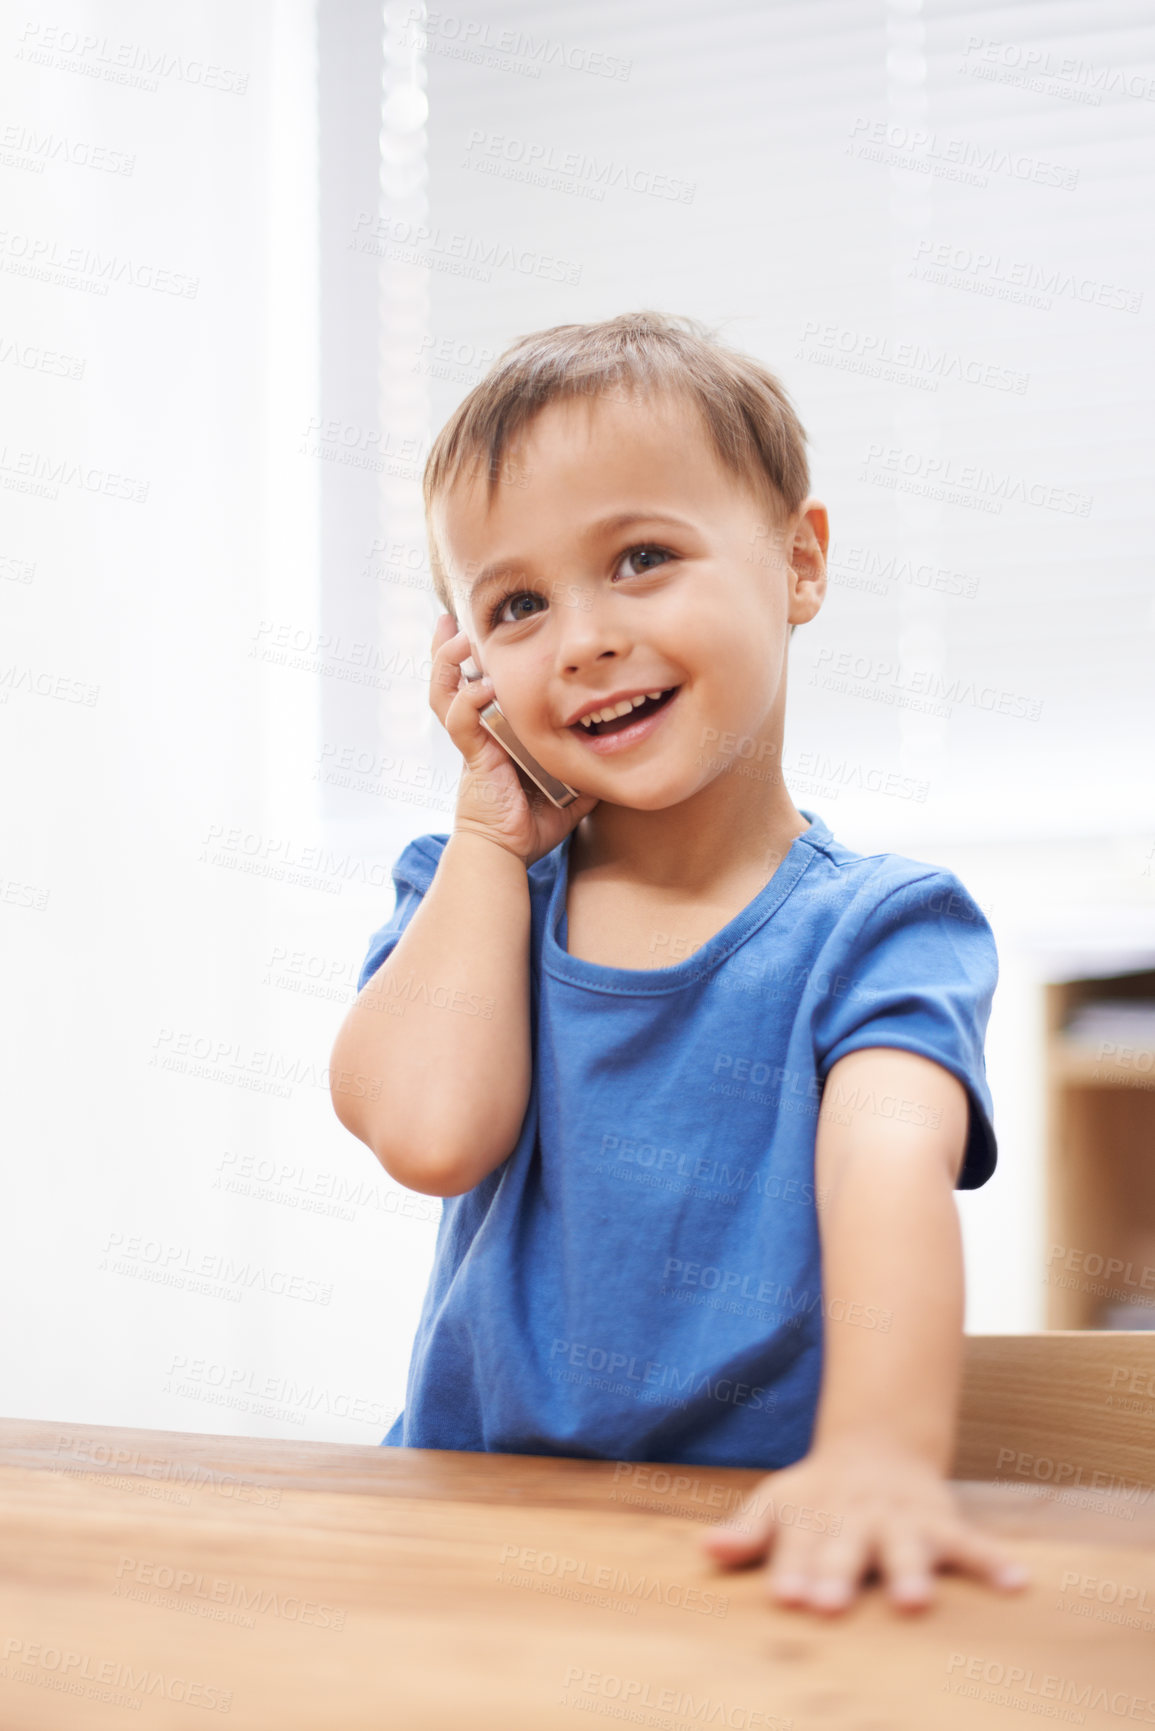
179	931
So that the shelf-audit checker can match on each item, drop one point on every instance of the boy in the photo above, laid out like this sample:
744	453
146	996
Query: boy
695	1080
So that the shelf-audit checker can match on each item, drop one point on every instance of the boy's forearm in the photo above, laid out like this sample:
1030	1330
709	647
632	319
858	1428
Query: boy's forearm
893	1283
440	1035
893	1348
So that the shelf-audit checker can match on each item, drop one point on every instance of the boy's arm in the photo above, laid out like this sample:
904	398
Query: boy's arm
442	1088
891	1137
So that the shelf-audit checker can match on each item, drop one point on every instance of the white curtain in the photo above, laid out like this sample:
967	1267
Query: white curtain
192	1241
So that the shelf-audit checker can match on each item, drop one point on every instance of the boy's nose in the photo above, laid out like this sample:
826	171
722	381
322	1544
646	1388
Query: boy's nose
588	633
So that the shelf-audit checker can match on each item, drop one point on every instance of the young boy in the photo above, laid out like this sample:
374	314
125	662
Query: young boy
695	1080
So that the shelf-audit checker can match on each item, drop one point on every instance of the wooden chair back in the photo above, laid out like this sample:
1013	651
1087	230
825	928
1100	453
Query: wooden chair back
1069	1408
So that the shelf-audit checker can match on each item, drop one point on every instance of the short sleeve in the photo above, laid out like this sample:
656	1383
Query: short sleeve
920	974
412	876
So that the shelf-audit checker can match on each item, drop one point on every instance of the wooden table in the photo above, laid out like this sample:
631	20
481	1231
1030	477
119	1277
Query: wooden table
156	1579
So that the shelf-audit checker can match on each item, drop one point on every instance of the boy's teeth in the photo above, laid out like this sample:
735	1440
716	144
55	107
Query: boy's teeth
616	709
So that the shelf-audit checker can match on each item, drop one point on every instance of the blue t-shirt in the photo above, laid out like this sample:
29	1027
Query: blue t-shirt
640	1279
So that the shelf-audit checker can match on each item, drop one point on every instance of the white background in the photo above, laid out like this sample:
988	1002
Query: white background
185	879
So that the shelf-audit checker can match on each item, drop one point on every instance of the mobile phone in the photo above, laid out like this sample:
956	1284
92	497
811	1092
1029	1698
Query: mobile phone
558	792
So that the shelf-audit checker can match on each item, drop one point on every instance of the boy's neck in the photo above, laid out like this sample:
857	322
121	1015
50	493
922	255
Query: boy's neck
730	829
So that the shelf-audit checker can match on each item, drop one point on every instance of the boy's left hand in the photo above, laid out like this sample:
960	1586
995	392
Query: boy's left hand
841	1511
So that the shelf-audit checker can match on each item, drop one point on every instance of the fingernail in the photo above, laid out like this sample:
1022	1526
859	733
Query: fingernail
1012	1575
910	1587
829	1593
789	1586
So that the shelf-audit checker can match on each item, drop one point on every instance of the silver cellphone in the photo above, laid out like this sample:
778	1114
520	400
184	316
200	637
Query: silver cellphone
558	792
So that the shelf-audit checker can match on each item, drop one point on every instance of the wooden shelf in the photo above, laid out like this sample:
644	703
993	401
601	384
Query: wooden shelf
1079	1065
1100	1251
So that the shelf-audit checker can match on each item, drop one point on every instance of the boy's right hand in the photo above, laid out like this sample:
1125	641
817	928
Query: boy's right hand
493	799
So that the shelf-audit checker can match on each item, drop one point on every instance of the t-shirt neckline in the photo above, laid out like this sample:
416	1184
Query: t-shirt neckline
558	962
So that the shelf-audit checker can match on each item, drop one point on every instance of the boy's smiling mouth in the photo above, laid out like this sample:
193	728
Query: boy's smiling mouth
625	729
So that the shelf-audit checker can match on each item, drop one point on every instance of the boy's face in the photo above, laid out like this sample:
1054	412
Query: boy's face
697	594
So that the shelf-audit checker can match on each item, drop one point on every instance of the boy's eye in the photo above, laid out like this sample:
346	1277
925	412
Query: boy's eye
511	600
645	548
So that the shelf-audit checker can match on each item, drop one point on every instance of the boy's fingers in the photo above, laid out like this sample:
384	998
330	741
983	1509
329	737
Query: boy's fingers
747	1536
836	1569
791	1570
906	1561
446	686
738	1544
823	1574
731	1548
974	1552
444	676
445	629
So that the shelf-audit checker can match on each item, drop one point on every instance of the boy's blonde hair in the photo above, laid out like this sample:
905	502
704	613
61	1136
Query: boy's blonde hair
749	417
